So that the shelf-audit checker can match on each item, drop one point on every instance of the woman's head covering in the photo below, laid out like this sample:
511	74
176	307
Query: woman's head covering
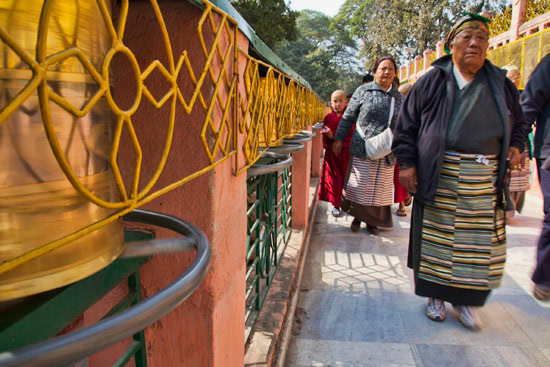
466	22
510	67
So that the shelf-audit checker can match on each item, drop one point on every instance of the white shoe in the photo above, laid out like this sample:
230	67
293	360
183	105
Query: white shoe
336	212
468	317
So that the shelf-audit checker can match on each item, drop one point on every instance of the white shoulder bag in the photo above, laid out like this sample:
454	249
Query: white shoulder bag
379	145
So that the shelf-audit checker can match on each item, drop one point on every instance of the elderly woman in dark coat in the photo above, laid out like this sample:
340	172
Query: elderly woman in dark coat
460	129
369	182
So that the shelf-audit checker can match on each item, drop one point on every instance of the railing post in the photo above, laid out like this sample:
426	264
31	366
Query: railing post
417	66
409	73
518	18
301	168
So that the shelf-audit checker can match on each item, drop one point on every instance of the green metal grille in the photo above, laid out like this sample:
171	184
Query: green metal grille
268	232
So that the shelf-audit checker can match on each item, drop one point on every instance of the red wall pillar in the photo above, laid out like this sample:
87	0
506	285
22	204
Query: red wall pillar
316	153
301	168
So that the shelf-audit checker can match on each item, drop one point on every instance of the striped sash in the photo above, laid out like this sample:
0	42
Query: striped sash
463	235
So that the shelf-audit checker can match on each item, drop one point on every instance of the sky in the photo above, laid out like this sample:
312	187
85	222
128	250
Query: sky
329	7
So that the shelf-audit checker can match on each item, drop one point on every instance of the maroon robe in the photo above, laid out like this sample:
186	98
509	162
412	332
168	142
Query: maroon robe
334	167
400	193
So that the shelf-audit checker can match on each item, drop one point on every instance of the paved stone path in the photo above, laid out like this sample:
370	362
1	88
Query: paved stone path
357	305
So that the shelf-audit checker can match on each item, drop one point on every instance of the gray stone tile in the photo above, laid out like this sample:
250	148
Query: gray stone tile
533	319
546	352
307	352
338	316
465	356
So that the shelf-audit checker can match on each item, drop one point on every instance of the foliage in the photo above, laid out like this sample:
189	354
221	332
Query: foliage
272	20
405	28
324	54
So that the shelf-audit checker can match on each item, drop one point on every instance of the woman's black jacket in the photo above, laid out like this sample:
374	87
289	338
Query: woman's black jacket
420	131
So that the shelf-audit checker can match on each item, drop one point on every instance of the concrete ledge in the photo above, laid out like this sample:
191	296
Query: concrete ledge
272	328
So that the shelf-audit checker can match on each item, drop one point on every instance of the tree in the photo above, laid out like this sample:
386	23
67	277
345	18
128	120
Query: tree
324	55
404	28
272	20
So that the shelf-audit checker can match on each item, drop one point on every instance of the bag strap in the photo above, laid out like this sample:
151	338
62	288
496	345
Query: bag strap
391	110
361	132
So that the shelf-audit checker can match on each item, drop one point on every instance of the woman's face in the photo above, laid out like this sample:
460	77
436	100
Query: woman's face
384	74
515	77
469	48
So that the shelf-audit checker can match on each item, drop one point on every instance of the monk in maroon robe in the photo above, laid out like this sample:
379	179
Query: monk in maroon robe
334	167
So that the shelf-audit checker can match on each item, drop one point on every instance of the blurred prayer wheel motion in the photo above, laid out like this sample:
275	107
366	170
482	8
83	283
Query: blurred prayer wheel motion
38	205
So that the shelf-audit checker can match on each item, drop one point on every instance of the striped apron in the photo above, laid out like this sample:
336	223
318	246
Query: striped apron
463	234
370	182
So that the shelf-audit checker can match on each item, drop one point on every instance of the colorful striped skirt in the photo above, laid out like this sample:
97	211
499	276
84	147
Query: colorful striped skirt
463	234
368	191
519	178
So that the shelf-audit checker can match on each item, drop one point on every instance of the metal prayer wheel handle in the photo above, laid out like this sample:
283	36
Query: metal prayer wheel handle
318	126
76	345
299	138
288	147
262	169
305	133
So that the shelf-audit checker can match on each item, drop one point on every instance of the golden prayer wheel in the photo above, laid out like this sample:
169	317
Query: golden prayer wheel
38	205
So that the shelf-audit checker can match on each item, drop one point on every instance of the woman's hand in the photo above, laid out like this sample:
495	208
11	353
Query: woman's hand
327	131
336	147
408	179
514	157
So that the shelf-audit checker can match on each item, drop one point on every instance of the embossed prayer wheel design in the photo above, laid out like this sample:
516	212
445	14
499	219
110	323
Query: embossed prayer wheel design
38	205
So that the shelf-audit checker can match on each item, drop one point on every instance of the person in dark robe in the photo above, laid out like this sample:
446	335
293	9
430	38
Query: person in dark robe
334	167
400	194
459	131
520	177
535	102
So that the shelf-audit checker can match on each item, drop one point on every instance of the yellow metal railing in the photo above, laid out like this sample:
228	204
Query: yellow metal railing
524	53
272	102
273	106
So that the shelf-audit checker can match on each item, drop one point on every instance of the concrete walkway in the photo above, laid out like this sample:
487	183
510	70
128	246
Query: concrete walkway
357	305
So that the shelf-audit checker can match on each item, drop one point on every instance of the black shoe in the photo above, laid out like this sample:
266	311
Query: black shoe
355	225
374	230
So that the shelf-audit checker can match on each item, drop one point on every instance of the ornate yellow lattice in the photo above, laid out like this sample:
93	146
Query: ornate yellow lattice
273	106
215	88
535	8
501	22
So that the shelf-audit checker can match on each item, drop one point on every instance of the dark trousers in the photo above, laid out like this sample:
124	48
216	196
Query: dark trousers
541	276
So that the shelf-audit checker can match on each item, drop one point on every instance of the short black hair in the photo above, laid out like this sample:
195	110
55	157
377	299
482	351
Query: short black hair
368	78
